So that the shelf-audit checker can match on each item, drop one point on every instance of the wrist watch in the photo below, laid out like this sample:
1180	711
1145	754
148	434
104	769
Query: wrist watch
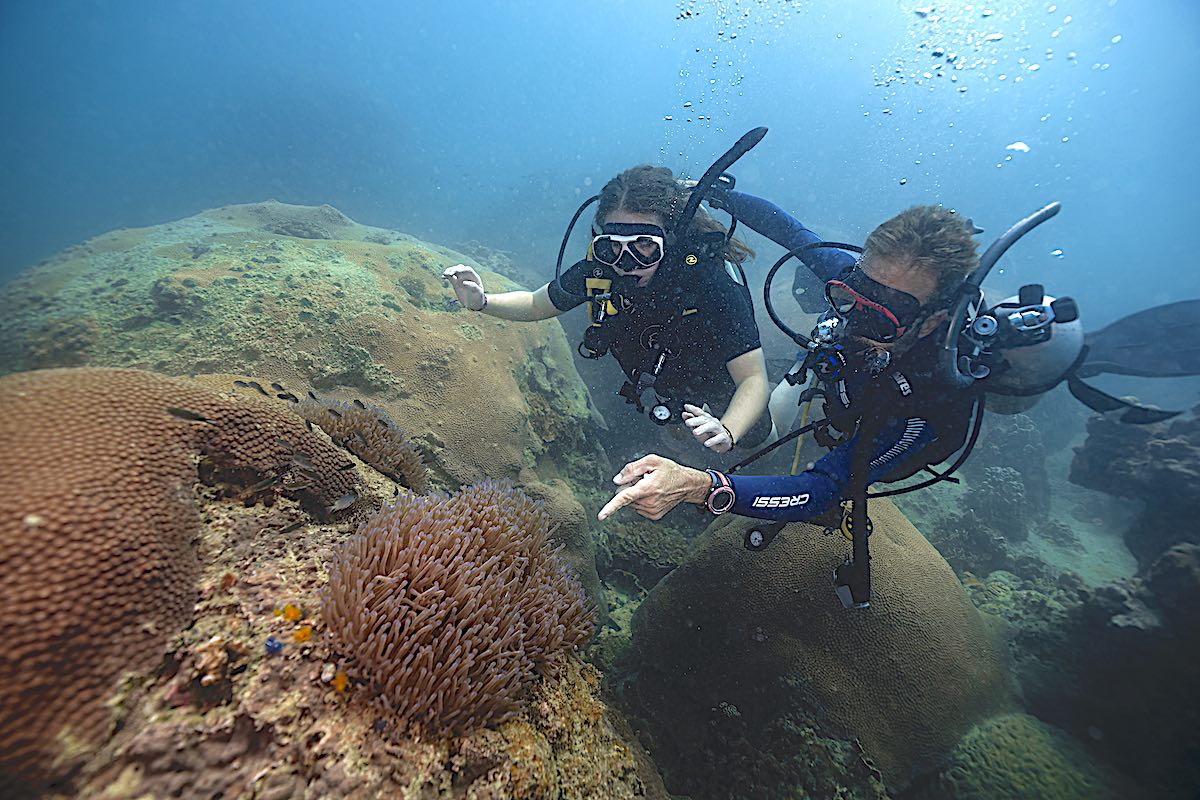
720	497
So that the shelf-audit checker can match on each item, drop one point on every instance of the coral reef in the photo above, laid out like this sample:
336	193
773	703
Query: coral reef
790	756
645	550
97	519
1117	669
998	496
452	606
369	433
1017	757
252	700
1157	464
906	678
1015	442
969	544
306	297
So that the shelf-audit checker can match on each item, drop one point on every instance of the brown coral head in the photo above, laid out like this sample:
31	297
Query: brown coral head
369	433
453	606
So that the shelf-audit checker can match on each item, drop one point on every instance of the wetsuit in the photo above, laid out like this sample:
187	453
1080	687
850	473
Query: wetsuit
924	424
704	322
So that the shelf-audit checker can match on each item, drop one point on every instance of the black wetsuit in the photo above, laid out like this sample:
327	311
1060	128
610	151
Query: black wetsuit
702	314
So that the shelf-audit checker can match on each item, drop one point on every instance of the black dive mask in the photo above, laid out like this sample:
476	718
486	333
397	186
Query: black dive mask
869	309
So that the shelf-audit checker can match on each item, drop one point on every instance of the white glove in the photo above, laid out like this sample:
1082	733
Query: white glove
707	429
467	285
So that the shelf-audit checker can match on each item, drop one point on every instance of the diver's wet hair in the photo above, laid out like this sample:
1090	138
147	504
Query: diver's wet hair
932	239
648	189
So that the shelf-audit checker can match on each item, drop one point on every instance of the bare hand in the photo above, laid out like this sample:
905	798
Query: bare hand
707	429
654	485
467	285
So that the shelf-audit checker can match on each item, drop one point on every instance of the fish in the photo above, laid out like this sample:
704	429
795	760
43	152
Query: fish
343	502
302	459
277	386
360	404
346	467
339	682
313	396
306	472
382	422
302	634
256	386
284	443
361	438
293	526
185	414
290	612
335	413
242	384
308	425
265	483
297	486
291	398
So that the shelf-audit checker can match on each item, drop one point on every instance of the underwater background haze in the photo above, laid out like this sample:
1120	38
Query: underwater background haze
355	551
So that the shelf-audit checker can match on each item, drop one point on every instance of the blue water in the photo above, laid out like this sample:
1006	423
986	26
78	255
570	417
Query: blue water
489	121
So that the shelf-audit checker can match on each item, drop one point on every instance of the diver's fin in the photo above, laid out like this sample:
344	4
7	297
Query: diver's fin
1135	413
1160	342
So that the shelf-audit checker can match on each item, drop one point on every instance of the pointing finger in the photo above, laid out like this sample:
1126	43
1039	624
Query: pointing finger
622	499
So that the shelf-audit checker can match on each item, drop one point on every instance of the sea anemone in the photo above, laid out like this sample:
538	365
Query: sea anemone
453	606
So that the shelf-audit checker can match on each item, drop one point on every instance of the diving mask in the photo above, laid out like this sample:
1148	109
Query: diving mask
644	245
870	309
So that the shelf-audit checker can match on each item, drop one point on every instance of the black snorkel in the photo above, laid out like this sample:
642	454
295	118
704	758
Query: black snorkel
961	371
709	179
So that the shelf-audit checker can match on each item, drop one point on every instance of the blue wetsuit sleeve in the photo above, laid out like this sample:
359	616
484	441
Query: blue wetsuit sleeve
799	497
771	221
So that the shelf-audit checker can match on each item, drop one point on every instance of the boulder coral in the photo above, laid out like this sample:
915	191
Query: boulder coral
97	526
763	632
307	297
453	606
1017	757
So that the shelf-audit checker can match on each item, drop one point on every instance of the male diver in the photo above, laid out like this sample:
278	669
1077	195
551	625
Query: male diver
884	310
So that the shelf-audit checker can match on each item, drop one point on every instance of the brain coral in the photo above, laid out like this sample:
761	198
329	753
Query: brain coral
763	631
453	605
369	433
1017	757
97	518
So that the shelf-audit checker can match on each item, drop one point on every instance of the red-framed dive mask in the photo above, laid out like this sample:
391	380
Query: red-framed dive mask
870	309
